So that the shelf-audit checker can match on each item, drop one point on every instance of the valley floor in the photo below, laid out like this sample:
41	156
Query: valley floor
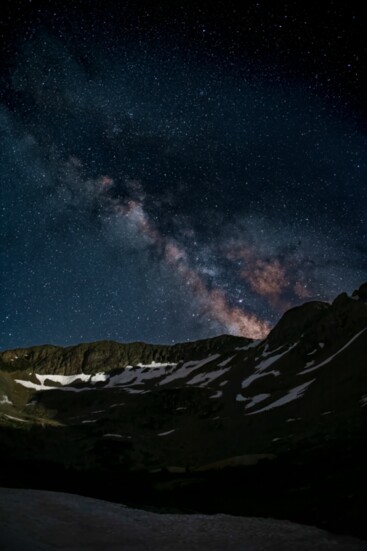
35	520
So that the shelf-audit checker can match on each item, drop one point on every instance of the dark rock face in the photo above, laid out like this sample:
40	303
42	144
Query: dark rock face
296	321
321	322
361	293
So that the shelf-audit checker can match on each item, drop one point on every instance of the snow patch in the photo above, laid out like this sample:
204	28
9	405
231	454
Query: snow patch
226	361
5	400
15	418
251	345
69	379
218	394
187	368
257	399
328	360
140	373
206	378
272	359
134	390
166	433
29	384
247	382
156	364
240	398
293	394
64	380
267	352
253	400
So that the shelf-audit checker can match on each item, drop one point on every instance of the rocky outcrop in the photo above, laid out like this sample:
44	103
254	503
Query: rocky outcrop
317	322
296	322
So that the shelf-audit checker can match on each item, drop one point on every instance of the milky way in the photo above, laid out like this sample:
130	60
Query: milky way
156	189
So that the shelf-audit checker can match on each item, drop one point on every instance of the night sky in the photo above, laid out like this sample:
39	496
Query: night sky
170	173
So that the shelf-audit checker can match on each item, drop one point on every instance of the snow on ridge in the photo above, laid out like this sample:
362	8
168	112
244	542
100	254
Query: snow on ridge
249	380
99	378
187	368
252	344
260	369
156	364
126	378
138	374
272	359
293	394
35	386
253	400
308	370
206	378
226	361
363	400
68	379
267	352
257	399
64	380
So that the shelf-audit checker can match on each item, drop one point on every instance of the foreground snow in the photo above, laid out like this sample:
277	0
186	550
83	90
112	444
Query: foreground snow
35	520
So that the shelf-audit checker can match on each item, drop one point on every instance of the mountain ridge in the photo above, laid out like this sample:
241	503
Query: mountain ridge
198	409
293	322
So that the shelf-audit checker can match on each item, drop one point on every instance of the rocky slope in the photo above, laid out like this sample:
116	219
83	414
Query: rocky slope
296	397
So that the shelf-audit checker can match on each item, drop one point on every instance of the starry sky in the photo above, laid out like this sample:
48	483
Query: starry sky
170	173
